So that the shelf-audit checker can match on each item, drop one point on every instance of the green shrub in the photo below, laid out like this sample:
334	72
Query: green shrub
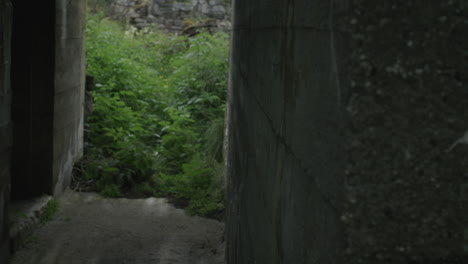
50	211
111	190
158	120
196	183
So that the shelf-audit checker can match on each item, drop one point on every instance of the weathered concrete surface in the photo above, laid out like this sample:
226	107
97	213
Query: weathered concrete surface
406	186
342	115
91	229
286	158
5	124
68	117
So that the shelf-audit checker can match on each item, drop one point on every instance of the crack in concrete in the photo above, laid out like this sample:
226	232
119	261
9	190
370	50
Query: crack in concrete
334	73
288	148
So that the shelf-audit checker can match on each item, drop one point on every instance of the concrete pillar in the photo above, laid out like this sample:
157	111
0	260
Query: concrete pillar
286	154
69	89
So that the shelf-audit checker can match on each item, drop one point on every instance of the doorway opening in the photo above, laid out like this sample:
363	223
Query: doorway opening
32	80
156	103
32	112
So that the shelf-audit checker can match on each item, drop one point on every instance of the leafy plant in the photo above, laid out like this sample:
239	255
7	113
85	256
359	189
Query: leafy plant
158	119
50	211
197	184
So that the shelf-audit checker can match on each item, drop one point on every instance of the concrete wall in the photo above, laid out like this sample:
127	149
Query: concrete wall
406	187
286	154
5	124
342	115
69	89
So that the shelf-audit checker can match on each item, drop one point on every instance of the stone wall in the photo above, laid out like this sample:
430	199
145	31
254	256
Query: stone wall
5	125
171	14
219	9
346	132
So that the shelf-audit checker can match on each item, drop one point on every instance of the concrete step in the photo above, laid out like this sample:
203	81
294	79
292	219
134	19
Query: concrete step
25	217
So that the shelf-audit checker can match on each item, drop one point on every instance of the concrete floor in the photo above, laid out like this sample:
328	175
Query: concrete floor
90	229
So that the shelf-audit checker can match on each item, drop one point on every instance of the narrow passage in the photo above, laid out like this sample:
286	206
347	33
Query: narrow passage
90	229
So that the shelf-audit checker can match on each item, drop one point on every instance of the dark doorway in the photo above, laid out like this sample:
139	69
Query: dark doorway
32	76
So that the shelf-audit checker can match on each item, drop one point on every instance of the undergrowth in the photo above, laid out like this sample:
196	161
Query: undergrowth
50	211
157	125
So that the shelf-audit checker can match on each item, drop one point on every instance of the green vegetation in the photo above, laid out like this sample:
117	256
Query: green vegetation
158	120
50	211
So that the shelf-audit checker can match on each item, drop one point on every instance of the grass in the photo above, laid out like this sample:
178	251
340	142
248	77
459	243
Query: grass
50	211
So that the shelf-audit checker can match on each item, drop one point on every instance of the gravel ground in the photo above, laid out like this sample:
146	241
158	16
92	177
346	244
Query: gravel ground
90	229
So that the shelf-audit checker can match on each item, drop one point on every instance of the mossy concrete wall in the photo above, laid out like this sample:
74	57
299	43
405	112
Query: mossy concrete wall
346	132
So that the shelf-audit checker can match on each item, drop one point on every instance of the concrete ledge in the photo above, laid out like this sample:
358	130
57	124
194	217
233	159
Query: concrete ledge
24	218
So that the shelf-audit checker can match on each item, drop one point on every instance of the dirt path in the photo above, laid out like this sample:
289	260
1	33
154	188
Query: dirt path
90	229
